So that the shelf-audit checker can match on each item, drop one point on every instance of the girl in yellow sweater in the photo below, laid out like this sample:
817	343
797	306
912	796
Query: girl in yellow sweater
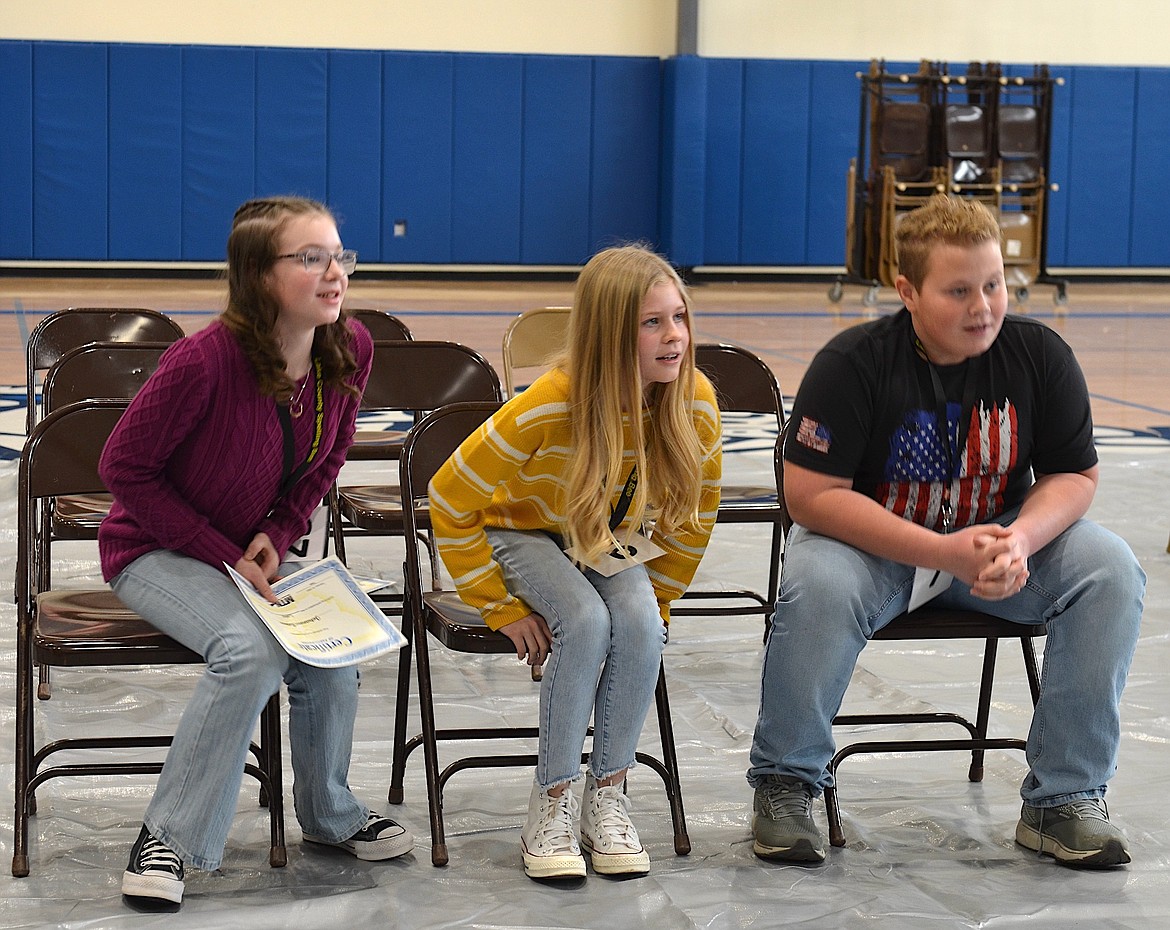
571	520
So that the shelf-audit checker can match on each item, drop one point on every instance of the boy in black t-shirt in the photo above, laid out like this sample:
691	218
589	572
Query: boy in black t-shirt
952	437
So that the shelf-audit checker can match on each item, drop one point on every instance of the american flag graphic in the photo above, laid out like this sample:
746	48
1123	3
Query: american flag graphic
814	435
916	469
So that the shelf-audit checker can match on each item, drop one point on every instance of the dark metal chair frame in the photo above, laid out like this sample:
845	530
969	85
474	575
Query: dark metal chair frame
86	627
934	623
460	629
745	384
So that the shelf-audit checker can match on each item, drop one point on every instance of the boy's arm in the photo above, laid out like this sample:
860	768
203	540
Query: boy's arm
828	505
1053	504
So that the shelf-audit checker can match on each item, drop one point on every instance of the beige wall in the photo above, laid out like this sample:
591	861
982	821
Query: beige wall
1124	32
592	27
1127	32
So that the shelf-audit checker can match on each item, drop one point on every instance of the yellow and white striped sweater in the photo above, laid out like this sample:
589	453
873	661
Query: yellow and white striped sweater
507	475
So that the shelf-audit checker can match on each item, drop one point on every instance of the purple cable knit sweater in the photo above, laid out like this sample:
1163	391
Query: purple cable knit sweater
195	462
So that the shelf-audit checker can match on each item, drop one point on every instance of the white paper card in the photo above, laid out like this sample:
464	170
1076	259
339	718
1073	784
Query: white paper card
638	550
323	617
928	584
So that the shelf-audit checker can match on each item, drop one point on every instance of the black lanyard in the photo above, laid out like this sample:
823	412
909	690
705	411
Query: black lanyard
618	513
290	475
950	449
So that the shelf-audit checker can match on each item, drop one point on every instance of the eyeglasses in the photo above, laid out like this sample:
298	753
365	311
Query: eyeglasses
318	260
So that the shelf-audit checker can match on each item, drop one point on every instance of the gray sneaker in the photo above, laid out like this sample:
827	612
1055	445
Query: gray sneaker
782	821
1076	834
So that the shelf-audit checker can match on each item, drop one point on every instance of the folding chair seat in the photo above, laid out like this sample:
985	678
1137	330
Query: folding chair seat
530	340
744	384
935	623
373	444
83	627
441	614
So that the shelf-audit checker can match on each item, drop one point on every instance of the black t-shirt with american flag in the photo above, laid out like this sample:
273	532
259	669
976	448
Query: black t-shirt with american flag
867	410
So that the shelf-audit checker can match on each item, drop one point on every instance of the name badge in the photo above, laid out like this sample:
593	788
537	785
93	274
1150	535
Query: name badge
625	555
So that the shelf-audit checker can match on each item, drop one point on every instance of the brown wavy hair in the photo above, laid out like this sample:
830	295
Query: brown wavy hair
252	309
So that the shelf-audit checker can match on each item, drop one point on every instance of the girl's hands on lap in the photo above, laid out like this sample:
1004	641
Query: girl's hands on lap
259	564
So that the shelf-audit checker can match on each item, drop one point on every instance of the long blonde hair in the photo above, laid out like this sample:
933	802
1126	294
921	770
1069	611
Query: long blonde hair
605	383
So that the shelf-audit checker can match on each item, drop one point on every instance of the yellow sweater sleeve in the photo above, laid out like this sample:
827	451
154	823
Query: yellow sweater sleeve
504	474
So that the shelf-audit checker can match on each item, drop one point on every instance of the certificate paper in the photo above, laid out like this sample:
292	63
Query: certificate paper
323	617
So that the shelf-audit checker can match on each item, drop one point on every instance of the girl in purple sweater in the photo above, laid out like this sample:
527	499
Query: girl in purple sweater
200	478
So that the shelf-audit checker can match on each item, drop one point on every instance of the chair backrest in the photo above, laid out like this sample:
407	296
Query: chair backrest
59	459
531	339
100	370
382	325
428	445
424	374
59	332
743	381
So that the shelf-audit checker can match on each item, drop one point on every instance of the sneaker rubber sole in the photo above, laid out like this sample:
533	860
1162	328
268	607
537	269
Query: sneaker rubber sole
803	850
628	863
544	867
370	850
1113	853
152	886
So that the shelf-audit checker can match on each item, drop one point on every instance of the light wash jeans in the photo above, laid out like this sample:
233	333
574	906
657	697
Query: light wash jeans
1085	585
199	786
608	639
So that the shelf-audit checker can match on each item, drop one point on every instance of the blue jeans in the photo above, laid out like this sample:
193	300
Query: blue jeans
199	787
608	638
1085	585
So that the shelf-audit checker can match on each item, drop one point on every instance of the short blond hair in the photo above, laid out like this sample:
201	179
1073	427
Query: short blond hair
950	220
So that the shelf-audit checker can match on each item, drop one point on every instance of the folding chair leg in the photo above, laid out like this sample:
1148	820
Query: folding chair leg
426	710
401	706
682	842
24	756
983	713
272	763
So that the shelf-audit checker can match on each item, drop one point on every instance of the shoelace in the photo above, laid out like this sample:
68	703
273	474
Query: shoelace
1084	809
784	800
157	856
612	815
557	831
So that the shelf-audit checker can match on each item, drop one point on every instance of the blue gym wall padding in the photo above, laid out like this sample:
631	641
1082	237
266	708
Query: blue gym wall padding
1100	168
146	165
219	145
354	152
555	195
142	152
625	151
16	152
71	143
417	94
1149	244
485	167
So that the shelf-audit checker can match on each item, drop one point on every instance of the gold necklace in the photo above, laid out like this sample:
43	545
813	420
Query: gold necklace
295	407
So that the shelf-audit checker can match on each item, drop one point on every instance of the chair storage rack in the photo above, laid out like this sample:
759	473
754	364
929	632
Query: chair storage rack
982	134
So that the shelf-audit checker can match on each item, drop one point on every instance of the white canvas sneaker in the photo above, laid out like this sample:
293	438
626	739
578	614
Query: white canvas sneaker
607	834
549	838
